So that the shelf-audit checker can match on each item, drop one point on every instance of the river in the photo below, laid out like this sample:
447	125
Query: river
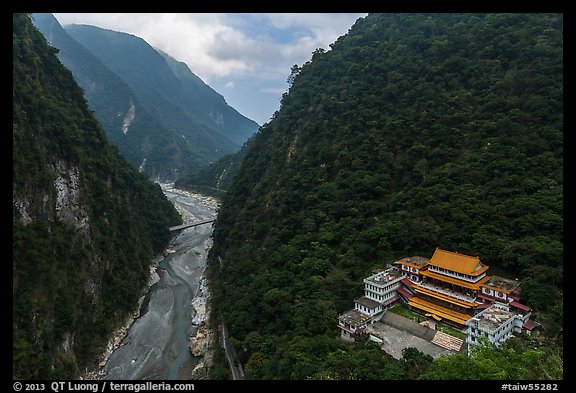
156	345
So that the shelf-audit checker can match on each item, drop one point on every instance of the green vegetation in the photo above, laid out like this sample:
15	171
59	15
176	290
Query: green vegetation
514	360
197	118
180	123
146	140
451	331
412	132
80	255
401	309
217	178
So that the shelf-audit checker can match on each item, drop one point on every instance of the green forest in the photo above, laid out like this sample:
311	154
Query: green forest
179	123
414	131
193	123
216	178
75	278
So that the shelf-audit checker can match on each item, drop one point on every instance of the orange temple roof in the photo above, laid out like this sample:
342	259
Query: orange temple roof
446	298
439	311
456	262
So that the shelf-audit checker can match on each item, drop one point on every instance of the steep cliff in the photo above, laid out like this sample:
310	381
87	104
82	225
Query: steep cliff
164	119
140	138
414	131
85	223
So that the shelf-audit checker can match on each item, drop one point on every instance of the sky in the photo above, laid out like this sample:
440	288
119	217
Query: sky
244	57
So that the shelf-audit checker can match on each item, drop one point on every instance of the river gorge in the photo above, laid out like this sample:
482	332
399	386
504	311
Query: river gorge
167	338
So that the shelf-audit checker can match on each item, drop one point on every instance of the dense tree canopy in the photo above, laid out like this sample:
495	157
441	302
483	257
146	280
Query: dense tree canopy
414	131
216	178
178	123
77	276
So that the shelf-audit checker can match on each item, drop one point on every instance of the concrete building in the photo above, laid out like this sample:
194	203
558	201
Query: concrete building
450	287
453	287
353	325
379	292
497	323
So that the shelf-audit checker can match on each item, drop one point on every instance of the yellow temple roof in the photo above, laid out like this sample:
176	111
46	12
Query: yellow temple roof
446	298
439	311
457	262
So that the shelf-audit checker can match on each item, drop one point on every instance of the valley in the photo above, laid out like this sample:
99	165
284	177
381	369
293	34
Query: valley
409	133
156	345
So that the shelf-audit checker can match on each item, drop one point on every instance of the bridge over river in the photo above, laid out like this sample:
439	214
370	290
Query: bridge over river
190	225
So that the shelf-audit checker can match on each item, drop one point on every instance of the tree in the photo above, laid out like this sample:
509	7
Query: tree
415	362
294	71
387	147
511	361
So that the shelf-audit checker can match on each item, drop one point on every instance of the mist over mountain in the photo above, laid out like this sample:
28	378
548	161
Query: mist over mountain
162	117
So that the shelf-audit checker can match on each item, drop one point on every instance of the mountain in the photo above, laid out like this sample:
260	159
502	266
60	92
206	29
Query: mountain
140	138
171	98
216	178
86	224
414	131
162	117
209	106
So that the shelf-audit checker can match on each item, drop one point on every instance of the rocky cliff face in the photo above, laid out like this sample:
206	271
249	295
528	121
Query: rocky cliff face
68	205
203	343
164	119
85	223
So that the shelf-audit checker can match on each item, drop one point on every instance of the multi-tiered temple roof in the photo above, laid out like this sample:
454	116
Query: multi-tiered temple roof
458	263
454	286
449	287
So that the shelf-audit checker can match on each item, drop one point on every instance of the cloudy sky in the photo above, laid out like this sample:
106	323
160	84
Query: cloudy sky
244	57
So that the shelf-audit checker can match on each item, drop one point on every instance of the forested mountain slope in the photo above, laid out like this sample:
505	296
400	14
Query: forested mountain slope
216	178
169	91
209	107
164	119
86	224
140	138
412	132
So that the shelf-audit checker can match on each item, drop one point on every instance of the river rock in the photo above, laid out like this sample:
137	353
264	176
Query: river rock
202	345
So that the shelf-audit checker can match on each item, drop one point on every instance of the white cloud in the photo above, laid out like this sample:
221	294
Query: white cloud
186	37
273	90
314	20
258	49
214	45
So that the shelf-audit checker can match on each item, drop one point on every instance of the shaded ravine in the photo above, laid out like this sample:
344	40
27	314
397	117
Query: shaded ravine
156	345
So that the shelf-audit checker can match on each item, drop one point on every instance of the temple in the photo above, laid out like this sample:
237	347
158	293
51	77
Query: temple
449	287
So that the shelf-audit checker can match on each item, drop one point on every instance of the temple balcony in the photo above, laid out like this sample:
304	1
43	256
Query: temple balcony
446	291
